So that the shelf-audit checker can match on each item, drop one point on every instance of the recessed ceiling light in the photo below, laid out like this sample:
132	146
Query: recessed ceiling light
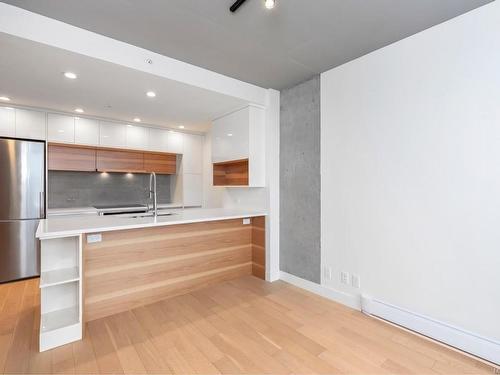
181	126
79	110
5	98
229	134
9	108
137	119
151	94
70	75
269	4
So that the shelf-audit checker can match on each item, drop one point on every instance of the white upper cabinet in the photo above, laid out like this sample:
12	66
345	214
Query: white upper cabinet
230	136
86	131
241	135
157	139
113	134
165	141
192	158
175	142
30	124
7	122
60	128
137	137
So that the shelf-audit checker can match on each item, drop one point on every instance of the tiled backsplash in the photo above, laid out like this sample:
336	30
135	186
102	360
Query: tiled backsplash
84	189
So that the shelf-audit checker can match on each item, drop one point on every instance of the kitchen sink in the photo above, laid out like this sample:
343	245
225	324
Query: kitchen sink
149	214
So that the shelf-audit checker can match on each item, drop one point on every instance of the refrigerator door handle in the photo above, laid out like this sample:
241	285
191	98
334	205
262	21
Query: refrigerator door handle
42	205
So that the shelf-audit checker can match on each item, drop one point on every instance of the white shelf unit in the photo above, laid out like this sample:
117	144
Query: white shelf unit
61	291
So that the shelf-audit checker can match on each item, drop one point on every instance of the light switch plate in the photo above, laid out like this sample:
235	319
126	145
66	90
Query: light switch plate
246	221
93	238
355	281
327	273
344	277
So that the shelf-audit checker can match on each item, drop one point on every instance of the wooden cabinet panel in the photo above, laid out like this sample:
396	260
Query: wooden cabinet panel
232	173
71	158
160	163
259	247
120	161
174	263
65	157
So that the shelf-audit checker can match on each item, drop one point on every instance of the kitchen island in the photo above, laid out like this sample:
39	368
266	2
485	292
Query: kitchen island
96	266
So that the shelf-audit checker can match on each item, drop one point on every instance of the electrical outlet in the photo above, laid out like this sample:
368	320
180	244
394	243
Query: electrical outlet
327	273
355	281
93	238
344	277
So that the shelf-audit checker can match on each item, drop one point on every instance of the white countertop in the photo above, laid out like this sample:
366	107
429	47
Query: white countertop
74	225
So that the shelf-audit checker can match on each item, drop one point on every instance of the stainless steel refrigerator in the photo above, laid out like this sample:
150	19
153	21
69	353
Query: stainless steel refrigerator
22	205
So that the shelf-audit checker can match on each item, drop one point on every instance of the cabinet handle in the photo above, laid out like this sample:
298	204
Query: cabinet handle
42	204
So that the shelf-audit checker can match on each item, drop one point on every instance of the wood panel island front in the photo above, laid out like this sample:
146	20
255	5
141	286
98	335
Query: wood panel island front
92	267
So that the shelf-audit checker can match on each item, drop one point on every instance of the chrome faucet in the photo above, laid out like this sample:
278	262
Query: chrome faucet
152	192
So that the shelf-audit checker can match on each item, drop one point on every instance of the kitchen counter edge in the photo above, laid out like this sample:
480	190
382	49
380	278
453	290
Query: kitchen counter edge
58	227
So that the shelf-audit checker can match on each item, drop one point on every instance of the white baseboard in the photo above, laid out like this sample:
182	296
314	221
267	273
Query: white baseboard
469	342
333	294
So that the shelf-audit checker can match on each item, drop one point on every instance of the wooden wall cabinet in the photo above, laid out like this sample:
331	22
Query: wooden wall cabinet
71	158
66	157
120	161
160	163
238	137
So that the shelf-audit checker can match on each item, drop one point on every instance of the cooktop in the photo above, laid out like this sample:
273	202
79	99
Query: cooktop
112	206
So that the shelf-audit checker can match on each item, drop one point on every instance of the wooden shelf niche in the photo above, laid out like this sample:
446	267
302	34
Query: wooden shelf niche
231	173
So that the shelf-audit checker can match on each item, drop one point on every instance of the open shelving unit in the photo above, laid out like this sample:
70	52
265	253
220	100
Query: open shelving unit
61	291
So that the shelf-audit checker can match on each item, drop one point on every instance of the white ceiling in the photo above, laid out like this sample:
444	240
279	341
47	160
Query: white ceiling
31	74
272	49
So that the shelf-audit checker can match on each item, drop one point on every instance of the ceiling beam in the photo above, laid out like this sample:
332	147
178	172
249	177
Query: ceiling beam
28	25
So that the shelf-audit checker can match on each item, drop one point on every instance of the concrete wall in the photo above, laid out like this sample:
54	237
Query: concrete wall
300	252
84	189
411	172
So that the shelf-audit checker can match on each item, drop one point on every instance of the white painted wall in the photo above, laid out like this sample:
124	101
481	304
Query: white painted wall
411	172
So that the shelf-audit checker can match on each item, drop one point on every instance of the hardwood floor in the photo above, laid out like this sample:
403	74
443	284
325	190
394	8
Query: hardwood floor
240	326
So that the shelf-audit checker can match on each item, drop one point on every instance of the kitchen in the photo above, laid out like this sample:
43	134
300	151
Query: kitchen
249	187
77	180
